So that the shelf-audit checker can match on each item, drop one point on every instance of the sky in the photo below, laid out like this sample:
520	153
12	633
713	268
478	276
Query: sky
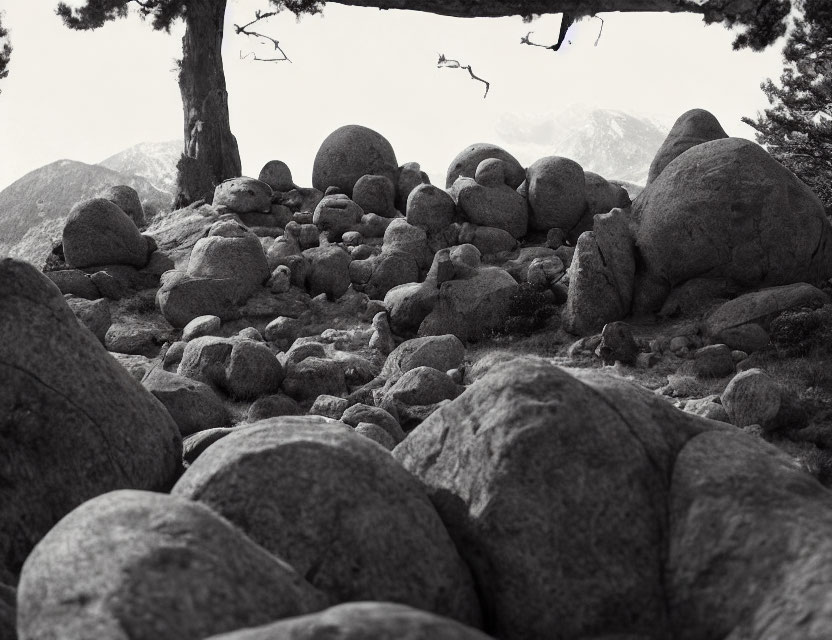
88	95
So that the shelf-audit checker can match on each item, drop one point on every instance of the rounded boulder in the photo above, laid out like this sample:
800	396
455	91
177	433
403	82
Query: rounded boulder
136	564
690	129
126	198
727	209
466	162
557	193
350	152
339	509
244	195
75	423
97	232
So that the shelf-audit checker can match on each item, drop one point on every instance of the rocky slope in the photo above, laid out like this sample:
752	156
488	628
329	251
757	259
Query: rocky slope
153	161
260	411
33	209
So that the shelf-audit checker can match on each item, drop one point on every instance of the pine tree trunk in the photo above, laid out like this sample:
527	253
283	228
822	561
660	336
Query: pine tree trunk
210	154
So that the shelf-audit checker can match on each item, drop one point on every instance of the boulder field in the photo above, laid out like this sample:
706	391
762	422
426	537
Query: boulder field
519	406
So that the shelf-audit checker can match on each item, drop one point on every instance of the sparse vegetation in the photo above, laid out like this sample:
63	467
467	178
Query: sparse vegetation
530	310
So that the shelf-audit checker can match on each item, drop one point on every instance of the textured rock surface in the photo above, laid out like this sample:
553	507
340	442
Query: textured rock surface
135	564
244	195
73	422
473	307
752	397
350	152
690	129
181	298
430	207
339	509
750	543
726	209
360	621
97	232
554	490
192	404
127	199
466	162
761	307
557	193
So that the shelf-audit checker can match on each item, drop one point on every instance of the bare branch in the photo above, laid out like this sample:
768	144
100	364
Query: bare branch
449	63
566	21
244	30
600	31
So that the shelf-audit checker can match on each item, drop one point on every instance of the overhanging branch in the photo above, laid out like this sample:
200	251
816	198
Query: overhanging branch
763	20
244	30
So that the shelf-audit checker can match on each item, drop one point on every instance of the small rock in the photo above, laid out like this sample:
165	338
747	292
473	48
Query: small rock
75	282
313	377
252	371
361	412
752	397
192	404
93	314
272	407
244	195
277	175
201	326
127	199
713	361
377	434
617	344
375	194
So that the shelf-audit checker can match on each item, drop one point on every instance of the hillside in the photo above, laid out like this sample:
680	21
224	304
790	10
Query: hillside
33	209
155	161
614	144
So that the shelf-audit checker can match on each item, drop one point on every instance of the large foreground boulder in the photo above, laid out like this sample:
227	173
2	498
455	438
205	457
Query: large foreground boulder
361	621
750	553
339	509
727	209
73	422
350	152
144	566
554	491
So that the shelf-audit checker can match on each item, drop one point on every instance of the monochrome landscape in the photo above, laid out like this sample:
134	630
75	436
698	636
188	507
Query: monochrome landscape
578	392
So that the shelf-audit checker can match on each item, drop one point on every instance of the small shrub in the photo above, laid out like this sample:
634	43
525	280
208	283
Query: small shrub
529	309
798	332
141	303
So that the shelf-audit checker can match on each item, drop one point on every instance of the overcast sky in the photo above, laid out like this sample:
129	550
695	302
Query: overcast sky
88	95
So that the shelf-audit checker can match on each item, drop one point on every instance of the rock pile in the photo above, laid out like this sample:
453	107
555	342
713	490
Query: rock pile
299	445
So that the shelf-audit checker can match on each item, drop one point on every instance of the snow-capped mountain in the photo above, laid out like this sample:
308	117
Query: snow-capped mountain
614	144
154	161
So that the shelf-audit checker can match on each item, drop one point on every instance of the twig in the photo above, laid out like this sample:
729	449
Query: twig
566	21
456	64
258	16
600	31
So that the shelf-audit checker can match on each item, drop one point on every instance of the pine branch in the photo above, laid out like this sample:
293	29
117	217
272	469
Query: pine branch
244	30
448	63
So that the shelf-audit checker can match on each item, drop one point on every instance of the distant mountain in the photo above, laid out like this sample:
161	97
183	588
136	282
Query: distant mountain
154	161
33	209
614	144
